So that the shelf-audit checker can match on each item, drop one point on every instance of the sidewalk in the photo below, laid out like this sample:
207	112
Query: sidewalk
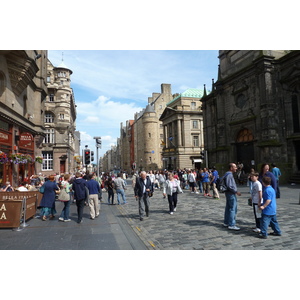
198	222
109	231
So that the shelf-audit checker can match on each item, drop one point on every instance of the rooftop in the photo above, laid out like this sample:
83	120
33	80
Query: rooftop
189	93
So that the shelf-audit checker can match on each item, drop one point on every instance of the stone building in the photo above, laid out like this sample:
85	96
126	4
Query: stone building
126	153
58	148
252	113
23	89
148	131
182	122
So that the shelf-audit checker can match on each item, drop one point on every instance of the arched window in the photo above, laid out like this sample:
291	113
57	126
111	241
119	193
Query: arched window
245	135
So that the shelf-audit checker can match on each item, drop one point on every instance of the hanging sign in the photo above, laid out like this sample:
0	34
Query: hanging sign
26	140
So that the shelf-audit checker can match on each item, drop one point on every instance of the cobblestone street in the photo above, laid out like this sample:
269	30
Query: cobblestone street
198	222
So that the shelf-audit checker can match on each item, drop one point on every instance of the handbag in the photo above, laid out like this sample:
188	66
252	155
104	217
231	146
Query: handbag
42	189
250	202
63	196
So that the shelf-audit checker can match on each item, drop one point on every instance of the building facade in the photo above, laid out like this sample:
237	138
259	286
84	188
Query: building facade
148	131
182	122
23	89
59	145
252	113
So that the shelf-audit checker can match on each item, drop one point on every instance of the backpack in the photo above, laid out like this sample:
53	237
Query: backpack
222	185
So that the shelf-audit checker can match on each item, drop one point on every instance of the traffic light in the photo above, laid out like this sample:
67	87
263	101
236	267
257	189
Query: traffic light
92	155
87	156
202	154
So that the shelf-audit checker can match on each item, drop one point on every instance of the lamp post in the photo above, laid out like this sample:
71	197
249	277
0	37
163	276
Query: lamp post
98	145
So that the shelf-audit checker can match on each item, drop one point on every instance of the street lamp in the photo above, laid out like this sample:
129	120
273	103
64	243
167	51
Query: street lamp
98	145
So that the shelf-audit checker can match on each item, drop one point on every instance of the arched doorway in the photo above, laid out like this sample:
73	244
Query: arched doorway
245	148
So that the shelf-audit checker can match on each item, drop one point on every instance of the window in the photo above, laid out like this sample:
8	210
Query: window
48	79
49	138
49	117
193	105
47	160
195	124
195	141
61	116
51	97
149	135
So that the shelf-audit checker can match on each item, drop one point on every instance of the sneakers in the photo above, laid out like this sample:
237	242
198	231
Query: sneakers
262	236
234	227
171	213
275	234
61	219
225	225
174	208
256	230
68	220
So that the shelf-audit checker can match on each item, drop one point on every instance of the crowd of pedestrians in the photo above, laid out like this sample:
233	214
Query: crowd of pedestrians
86	190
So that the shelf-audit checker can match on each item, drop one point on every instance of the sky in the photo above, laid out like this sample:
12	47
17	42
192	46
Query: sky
110	86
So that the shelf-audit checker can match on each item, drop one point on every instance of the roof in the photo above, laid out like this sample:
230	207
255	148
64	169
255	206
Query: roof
149	109
63	66
189	93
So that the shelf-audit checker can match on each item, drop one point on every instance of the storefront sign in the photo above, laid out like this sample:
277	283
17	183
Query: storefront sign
11	207
26	140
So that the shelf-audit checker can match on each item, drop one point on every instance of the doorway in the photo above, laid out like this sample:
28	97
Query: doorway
245	149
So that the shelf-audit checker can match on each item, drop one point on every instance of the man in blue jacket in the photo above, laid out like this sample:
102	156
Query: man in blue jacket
94	190
80	193
231	200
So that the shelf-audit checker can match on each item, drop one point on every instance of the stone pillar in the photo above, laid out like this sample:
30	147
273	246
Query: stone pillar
179	136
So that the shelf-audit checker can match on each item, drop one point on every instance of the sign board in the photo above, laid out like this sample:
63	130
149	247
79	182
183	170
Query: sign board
11	207
26	140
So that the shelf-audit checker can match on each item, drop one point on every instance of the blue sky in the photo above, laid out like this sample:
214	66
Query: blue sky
111	85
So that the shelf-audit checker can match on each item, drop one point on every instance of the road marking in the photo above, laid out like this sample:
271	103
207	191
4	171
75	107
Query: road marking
151	244
138	228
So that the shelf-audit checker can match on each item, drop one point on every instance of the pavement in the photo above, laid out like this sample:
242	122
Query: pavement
196	225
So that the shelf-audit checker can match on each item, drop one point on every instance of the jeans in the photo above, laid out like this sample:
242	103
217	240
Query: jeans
110	196
172	201
122	193
277	190
266	221
200	186
66	210
80	206
230	209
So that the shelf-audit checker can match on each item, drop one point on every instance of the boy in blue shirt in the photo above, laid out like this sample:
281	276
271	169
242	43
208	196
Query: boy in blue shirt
268	210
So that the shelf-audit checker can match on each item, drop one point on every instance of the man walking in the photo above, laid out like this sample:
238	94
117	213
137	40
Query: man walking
142	189
79	188
277	174
94	189
120	188
213	182
231	200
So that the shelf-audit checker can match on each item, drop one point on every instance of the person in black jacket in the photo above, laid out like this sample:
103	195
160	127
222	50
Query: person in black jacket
142	189
79	188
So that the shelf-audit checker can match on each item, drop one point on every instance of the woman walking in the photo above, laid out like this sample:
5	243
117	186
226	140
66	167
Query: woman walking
48	201
65	185
110	190
171	189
